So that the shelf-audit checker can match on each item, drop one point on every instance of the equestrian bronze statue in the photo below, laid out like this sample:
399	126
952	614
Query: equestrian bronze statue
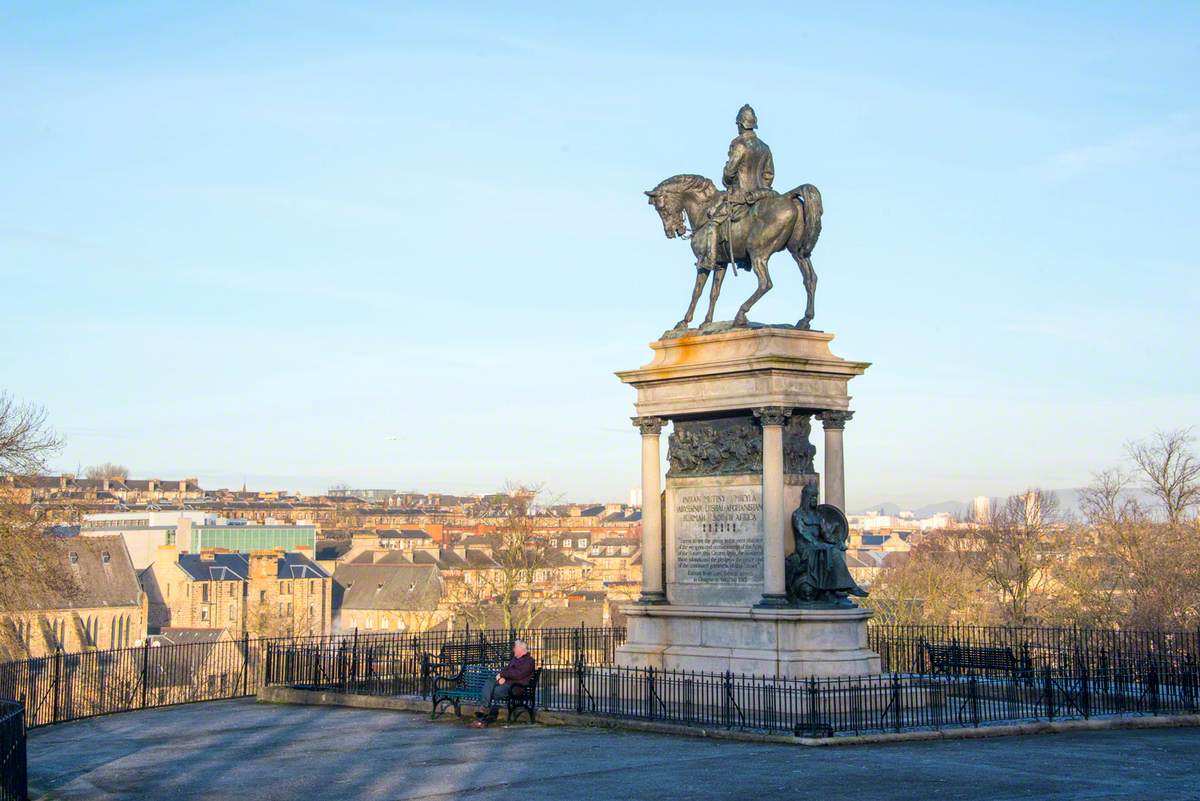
743	226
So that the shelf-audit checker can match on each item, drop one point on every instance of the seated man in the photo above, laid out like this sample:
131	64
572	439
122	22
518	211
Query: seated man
517	674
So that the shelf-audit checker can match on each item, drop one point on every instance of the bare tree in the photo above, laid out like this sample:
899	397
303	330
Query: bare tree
32	572
107	470
1014	551
529	578
929	584
1129	567
1169	470
26	440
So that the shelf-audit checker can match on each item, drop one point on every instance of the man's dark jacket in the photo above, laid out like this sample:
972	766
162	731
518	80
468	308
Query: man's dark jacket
519	670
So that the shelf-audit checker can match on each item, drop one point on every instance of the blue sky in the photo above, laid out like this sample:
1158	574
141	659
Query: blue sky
253	242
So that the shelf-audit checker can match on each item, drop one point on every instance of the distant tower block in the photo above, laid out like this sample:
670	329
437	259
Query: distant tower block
635	498
981	509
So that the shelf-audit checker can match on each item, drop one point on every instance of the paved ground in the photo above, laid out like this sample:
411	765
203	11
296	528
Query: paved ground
240	750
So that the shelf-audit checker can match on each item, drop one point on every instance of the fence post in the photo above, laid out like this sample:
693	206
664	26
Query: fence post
579	686
354	657
145	670
973	687
727	707
814	716
1189	682
315	679
245	663
58	661
898	714
650	692
22	757
1048	692
1152	686
1085	689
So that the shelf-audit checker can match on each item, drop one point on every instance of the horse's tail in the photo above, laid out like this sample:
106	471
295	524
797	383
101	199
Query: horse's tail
810	206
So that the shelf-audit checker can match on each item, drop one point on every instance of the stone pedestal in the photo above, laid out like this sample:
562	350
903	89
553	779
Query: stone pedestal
751	640
741	404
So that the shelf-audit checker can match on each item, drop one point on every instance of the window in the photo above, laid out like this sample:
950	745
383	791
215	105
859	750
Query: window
262	596
73	557
204	614
233	611
105	557
204	593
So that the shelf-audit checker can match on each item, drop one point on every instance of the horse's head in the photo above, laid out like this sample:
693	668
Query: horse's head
672	197
670	210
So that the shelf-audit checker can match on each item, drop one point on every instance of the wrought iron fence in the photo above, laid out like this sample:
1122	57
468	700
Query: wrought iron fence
391	664
13	781
904	648
578	676
888	702
71	686
1090	672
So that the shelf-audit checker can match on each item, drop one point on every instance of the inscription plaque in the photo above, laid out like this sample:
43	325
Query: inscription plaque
718	544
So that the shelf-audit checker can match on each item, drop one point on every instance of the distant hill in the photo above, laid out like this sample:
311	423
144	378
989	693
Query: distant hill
954	508
1068	503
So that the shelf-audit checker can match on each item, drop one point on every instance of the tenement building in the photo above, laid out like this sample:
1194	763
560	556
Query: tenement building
263	593
384	591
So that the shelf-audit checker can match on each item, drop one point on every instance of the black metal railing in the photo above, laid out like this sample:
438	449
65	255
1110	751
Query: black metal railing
879	703
903	649
392	664
799	706
1088	672
579	676
13	770
71	686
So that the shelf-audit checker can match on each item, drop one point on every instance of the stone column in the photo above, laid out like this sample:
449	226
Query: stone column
772	419
652	524
834	422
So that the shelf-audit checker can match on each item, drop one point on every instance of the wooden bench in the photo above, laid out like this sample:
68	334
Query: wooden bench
951	659
469	682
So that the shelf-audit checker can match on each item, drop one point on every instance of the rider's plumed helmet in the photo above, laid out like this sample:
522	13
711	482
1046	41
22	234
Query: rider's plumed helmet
746	118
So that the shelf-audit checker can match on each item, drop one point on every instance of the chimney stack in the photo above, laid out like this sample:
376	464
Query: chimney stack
264	564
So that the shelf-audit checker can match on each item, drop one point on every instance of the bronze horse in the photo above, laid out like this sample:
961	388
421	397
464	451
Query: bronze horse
791	220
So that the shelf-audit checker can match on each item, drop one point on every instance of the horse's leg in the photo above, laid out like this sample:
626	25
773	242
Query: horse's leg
701	278
810	287
758	264
715	292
